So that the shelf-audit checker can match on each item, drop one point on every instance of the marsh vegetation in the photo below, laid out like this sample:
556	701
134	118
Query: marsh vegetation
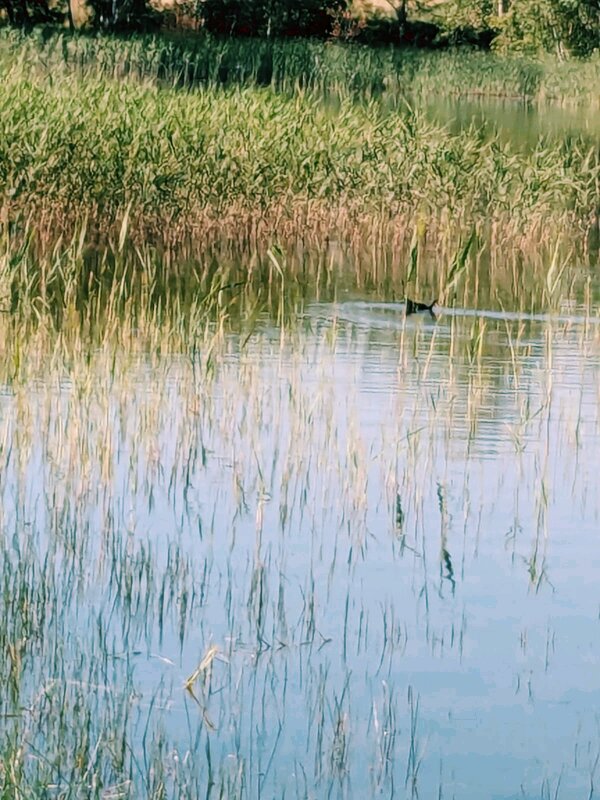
262	534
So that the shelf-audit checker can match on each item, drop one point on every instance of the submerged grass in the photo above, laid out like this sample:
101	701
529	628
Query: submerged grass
220	563
118	285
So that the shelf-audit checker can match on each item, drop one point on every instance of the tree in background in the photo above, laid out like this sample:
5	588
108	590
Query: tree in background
467	17
123	14
567	27
29	12
270	17
470	21
108	14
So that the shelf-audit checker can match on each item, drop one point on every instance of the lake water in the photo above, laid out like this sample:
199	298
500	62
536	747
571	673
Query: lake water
367	542
515	122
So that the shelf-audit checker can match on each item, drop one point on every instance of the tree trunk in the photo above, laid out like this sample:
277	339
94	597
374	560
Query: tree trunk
22	14
70	16
402	13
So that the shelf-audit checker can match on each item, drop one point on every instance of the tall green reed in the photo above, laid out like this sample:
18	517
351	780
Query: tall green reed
243	160
332	69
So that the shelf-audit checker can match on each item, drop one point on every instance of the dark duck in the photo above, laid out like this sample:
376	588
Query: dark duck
413	307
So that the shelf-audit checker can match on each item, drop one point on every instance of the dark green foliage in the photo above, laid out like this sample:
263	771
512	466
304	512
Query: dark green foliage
270	17
568	27
29	12
124	14
108	14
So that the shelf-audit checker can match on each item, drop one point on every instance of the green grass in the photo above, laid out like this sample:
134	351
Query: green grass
73	145
333	69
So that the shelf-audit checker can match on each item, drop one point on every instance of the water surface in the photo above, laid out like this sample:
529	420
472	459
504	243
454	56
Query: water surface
376	535
516	122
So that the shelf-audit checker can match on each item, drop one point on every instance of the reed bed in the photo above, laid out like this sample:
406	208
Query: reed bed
120	282
333	70
249	159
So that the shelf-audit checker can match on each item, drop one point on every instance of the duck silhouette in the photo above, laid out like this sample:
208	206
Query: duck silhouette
413	307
